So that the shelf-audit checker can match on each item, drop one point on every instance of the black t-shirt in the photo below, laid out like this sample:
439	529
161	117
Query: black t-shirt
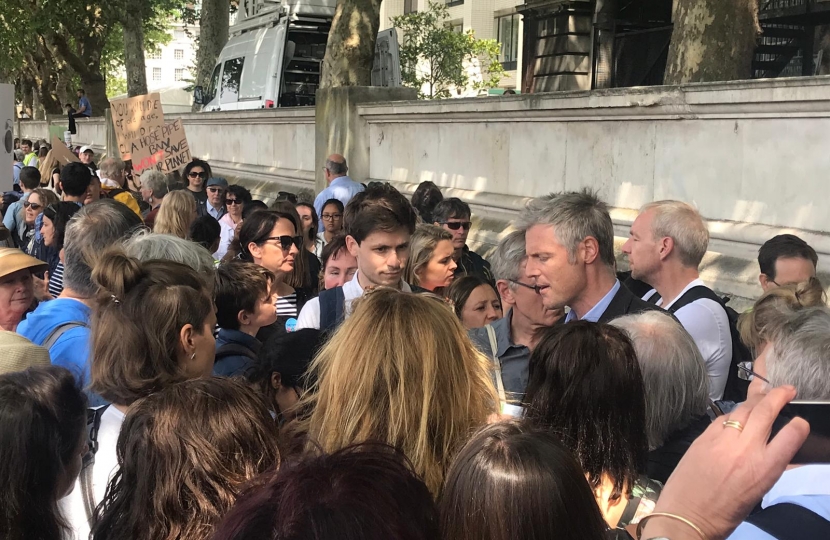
200	196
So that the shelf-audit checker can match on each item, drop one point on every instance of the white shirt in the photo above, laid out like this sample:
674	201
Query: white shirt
707	323
103	469
107	183
227	228
310	314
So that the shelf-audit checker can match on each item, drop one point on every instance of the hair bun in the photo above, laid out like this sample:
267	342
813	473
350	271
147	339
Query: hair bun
116	273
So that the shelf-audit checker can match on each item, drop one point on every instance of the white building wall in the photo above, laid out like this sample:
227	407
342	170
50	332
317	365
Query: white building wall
173	60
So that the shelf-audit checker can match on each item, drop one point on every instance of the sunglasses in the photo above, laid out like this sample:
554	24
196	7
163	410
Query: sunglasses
458	224
746	373
535	288
33	206
232	201
286	241
197	175
215	189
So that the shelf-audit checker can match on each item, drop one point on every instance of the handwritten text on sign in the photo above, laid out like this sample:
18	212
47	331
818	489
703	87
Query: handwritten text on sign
134	118
165	149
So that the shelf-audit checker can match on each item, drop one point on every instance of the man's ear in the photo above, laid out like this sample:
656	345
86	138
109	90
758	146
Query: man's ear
352	245
276	380
505	293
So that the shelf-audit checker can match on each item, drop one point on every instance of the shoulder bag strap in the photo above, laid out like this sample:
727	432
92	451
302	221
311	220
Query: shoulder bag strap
494	347
59	331
787	521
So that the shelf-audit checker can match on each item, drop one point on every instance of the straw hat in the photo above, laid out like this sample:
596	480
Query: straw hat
12	260
19	353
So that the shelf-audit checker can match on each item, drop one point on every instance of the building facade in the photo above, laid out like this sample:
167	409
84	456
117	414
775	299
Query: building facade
171	64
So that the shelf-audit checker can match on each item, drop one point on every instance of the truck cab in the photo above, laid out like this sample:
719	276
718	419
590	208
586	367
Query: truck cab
275	53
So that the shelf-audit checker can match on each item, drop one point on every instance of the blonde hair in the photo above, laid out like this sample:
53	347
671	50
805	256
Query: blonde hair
47	165
422	244
414	381
759	324
175	214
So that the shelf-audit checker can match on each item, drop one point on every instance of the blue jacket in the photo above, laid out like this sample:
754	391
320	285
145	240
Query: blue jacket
72	349
236	365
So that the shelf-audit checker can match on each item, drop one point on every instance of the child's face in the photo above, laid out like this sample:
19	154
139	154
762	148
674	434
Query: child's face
265	312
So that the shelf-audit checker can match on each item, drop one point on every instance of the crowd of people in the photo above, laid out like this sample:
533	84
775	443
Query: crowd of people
182	361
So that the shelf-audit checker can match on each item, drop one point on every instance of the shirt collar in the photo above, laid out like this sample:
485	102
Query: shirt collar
341	180
216	213
504	340
352	289
801	481
106	182
596	312
694	283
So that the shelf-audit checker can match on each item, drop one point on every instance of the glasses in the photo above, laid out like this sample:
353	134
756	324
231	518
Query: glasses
286	241
535	288
454	226
33	206
197	175
745	372
232	201
331	217
215	189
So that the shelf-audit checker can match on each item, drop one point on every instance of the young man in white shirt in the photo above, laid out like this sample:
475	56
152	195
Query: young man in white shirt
378	224
666	244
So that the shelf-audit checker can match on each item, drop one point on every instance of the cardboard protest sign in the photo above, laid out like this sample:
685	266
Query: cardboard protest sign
165	149
63	154
7	124
134	118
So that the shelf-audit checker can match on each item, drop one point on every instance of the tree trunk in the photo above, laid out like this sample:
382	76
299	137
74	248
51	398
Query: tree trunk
28	94
87	68
713	40
213	34
134	55
350	51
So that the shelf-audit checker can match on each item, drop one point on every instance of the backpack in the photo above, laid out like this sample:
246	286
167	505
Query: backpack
736	388
788	521
332	308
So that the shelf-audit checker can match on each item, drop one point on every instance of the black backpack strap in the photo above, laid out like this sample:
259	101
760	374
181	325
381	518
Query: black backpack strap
695	293
234	349
787	521
332	308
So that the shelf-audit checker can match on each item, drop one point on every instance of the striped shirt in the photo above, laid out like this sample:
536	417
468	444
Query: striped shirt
287	305
56	281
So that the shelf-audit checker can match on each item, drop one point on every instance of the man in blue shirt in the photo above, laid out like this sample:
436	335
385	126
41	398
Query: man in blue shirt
84	107
341	187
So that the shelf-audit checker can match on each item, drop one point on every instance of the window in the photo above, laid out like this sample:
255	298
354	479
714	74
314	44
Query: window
508	38
178	75
451	3
156	74
231	76
410	6
178	54
458	27
155	55
214	84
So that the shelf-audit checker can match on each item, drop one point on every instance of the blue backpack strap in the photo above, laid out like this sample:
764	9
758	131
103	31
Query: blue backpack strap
332	308
787	521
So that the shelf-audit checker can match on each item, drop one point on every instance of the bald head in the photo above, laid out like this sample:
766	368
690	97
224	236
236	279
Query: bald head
336	167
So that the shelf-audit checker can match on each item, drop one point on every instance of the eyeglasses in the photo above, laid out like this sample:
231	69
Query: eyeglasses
331	217
286	241
215	189
232	201
33	206
745	372
535	288
197	175
454	226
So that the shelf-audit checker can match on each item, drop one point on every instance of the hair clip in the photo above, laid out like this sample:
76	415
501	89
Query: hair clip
115	299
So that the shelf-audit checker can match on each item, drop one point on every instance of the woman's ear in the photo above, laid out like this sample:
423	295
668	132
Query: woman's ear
255	250
186	341
276	380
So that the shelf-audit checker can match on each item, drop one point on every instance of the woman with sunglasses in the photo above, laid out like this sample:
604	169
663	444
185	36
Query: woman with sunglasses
269	239
235	201
32	208
196	174
55	219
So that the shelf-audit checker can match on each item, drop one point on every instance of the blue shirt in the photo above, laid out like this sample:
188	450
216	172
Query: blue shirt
16	172
341	188
514	359
84	102
237	365
807	486
596	312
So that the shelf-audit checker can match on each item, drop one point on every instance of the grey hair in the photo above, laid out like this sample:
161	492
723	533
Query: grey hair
147	246
507	260
110	167
684	225
155	181
674	373
575	216
94	228
798	355
336	167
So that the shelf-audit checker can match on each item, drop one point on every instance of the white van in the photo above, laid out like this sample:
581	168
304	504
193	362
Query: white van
274	55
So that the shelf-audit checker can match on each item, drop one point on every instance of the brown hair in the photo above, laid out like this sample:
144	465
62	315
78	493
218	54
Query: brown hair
141	308
46	196
184	453
422	245
175	214
300	277
378	208
757	325
239	286
330	251
415	382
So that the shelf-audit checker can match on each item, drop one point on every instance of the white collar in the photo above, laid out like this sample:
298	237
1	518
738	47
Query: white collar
801	481
694	283
352	289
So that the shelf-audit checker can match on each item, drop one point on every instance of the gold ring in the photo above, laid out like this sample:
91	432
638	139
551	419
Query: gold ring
733	424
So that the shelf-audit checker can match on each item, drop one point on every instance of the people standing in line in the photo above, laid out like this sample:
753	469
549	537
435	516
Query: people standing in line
786	259
676	387
665	247
154	187
340	186
570	254
378	224
84	106
55	220
476	301
332	219
42	441
113	176
17	289
196	173
430	265
13	220
427	195
175	214
311	224
339	266
516	335
454	215
215	204
236	200
63	325
244	304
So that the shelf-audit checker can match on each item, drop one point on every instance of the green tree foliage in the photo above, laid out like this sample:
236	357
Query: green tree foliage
436	60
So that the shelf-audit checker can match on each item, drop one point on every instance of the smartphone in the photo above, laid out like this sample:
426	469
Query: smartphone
816	449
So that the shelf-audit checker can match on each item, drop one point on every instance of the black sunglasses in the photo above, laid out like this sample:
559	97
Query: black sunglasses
458	224
286	241
197	174
535	288
33	206
232	201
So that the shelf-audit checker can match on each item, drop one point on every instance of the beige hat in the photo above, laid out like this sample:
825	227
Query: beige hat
12	260
18	353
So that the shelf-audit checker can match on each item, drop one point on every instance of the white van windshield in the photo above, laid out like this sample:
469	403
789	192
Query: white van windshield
231	77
